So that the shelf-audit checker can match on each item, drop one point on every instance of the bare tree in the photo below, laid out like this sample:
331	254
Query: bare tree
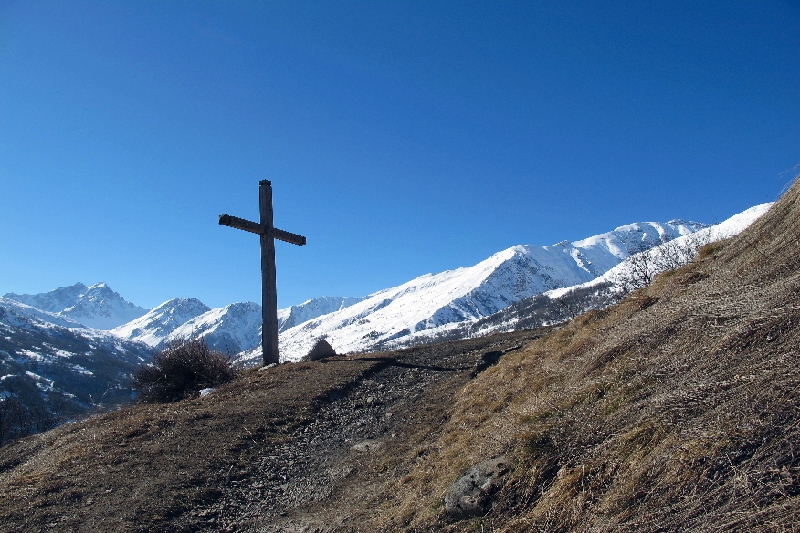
641	267
676	253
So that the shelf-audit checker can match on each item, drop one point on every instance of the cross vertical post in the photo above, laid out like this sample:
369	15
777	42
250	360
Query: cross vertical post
269	284
269	291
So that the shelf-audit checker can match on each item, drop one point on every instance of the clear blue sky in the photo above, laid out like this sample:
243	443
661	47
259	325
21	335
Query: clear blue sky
401	137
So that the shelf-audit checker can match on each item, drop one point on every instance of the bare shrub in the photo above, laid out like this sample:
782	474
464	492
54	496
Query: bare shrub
182	369
642	267
676	253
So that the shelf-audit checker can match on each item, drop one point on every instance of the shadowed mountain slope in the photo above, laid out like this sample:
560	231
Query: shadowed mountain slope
676	410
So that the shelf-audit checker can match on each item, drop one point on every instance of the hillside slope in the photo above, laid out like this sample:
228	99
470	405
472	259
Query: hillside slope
676	410
53	369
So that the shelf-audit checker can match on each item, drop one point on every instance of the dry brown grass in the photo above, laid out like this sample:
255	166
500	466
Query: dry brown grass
677	409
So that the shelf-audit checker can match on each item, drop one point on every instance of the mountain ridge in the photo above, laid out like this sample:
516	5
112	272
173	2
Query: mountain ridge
433	301
676	409
97	306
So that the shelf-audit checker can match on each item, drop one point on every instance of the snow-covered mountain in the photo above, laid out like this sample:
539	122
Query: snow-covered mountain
155	326
37	316
557	305
392	316
421	308
234	328
54	301
231	329
97	306
297	314
57	366
728	228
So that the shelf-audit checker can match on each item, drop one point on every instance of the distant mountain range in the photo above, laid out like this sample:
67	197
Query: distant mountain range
231	329
58	368
76	339
97	306
399	314
405	314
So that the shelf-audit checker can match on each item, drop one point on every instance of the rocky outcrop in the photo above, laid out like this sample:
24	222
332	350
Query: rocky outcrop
471	494
321	350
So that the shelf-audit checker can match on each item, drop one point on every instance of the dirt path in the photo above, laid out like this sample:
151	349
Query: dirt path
298	447
333	468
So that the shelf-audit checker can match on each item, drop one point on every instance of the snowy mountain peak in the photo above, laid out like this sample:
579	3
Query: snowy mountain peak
153	327
395	315
54	301
233	328
229	329
97	306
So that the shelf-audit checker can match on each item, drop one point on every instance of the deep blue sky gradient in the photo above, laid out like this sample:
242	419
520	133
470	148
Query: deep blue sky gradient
401	137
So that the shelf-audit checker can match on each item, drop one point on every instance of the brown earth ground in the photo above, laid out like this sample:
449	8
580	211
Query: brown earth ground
676	410
295	447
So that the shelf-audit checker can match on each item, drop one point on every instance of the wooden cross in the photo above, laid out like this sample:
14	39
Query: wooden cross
269	290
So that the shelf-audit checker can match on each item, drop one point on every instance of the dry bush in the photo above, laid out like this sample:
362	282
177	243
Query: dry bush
179	371
645	264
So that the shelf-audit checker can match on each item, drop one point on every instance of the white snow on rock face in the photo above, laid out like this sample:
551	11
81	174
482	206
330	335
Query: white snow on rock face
24	316
297	314
97	306
154	327
728	228
437	300
231	329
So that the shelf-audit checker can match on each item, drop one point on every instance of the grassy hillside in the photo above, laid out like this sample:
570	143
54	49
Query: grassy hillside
678	409
675	410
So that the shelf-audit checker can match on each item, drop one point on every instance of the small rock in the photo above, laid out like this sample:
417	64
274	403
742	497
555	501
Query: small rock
367	446
470	495
321	350
206	392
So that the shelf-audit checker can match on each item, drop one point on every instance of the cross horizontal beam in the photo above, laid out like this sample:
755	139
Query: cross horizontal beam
260	229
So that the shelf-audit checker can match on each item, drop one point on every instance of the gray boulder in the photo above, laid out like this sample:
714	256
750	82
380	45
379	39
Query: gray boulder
321	350
471	494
